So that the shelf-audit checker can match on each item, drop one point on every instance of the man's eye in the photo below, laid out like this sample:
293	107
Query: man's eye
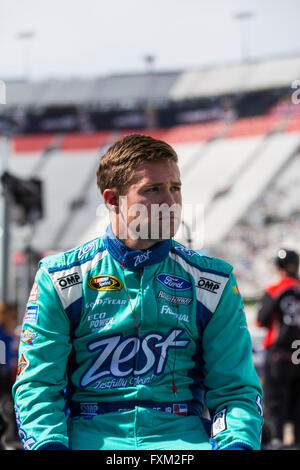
152	189
176	188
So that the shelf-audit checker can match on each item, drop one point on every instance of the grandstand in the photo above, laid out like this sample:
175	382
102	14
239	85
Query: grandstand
236	133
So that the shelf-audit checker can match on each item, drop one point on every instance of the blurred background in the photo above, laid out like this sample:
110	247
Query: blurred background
218	80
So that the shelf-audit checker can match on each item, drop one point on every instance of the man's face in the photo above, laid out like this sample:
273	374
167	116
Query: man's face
151	208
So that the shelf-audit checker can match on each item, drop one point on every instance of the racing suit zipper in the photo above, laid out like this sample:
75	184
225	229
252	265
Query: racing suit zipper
141	270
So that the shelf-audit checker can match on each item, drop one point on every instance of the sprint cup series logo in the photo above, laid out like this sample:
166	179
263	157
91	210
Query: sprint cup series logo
105	282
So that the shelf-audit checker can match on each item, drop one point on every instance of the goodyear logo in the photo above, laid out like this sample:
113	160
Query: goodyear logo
105	282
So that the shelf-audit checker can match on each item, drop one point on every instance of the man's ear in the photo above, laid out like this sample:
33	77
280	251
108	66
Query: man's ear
111	199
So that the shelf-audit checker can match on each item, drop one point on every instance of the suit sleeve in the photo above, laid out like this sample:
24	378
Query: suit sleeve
42	369
234	394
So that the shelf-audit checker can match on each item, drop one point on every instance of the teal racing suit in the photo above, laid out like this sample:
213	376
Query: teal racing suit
125	349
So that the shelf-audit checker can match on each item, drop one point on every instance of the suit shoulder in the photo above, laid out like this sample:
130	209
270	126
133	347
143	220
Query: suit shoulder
77	255
203	261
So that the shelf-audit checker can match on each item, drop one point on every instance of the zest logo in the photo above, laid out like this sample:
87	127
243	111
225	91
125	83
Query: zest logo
141	258
117	355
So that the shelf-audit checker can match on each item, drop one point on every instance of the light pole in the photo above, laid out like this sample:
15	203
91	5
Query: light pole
26	37
149	60
4	222
150	113
243	17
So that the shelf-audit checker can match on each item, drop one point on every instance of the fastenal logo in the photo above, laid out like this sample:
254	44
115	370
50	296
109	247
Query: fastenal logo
2	92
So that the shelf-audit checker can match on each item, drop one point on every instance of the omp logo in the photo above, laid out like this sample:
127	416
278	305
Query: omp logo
208	284
90	409
2	92
105	282
69	281
118	355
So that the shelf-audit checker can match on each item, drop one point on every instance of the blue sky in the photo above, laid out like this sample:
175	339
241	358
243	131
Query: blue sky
76	38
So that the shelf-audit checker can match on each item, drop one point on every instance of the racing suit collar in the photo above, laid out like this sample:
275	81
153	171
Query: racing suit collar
135	259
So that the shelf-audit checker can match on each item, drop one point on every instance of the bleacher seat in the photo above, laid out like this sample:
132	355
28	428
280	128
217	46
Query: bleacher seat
193	132
293	124
248	186
31	143
78	141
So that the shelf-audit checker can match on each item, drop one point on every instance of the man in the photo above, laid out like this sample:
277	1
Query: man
132	334
279	312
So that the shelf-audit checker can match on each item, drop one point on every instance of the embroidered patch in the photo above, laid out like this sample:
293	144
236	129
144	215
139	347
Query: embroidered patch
180	409
105	282
70	280
83	250
174	299
31	313
219	422
174	283
34	292
258	401
28	336
22	364
208	284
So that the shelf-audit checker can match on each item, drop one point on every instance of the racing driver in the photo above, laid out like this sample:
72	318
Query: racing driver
128	338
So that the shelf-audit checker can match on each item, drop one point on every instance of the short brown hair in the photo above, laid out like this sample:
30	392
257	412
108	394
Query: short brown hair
116	167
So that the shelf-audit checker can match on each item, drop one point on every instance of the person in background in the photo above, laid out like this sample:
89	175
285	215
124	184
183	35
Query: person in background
8	371
279	312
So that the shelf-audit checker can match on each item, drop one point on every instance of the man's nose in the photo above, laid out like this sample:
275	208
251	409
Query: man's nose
168	198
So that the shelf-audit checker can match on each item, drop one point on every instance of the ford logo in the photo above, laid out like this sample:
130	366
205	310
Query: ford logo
173	282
